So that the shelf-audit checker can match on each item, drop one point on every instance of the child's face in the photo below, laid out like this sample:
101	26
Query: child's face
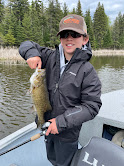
70	44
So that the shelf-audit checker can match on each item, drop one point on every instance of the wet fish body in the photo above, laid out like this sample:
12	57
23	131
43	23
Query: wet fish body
39	94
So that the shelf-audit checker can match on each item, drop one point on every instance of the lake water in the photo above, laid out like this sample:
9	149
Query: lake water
15	101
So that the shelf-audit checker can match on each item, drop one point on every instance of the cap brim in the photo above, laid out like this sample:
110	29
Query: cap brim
73	29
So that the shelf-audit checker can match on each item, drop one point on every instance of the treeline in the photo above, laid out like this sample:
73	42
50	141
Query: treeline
21	20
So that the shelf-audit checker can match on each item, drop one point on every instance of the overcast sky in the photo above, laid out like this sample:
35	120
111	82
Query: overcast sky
112	7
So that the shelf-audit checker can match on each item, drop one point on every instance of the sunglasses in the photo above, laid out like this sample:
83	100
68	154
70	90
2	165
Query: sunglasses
65	34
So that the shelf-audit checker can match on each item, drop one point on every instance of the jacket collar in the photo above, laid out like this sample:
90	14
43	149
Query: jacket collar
62	59
83	54
79	55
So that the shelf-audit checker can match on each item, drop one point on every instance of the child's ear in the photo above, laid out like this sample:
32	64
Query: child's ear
85	40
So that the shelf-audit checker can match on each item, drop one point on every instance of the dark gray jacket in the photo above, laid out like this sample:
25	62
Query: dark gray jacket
75	97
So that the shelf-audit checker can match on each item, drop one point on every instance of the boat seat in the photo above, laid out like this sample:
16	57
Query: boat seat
99	152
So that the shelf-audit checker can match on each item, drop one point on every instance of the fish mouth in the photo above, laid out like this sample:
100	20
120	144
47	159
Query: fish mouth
40	71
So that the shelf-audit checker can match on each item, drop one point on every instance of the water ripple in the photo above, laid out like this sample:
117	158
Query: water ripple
16	104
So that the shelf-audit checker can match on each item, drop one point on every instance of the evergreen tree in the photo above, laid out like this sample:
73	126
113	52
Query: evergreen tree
115	34
73	11
26	23
59	14
1	10
9	38
19	7
20	37
100	25
10	22
65	10
51	23
43	24
121	30
54	15
107	39
38	21
2	39
90	29
118	32
79	9
13	23
20	21
6	23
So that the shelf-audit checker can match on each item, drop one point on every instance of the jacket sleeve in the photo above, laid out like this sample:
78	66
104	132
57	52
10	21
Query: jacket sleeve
89	106
30	49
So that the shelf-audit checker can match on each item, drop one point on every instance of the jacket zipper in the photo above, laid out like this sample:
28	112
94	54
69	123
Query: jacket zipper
66	68
57	85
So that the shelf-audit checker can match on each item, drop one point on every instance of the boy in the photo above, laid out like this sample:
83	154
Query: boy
73	85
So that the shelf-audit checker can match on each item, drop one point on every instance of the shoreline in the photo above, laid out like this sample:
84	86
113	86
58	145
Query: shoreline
13	54
109	52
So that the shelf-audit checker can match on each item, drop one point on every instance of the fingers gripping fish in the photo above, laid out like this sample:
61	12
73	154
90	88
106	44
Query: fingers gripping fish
39	94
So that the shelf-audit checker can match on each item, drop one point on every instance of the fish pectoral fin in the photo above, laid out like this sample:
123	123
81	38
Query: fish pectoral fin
38	84
35	108
30	90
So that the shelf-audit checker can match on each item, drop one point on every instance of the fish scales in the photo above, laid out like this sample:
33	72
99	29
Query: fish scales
39	94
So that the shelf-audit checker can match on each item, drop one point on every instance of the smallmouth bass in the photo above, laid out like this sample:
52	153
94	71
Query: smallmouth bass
39	94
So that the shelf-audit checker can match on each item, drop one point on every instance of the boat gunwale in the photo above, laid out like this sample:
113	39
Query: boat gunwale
17	134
